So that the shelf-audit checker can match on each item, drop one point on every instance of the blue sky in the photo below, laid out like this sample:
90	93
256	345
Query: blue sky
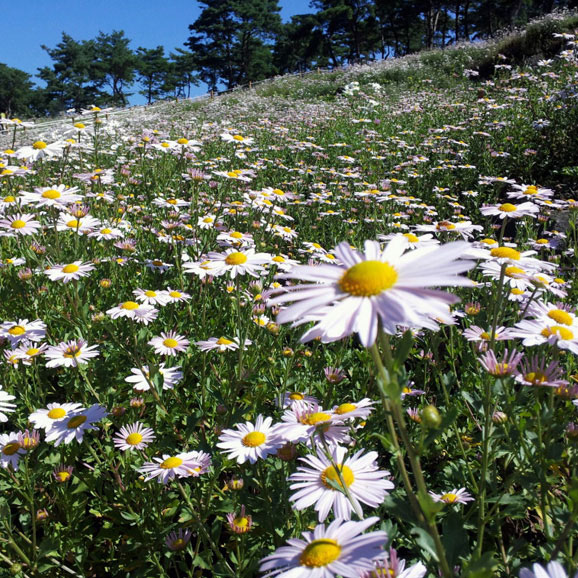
149	23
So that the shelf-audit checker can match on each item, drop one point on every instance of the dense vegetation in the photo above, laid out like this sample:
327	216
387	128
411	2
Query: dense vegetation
173	404
236	42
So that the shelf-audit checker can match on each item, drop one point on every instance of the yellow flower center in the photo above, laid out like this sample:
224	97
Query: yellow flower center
106	231
345	408
278	259
507	208
39	145
76	421
331	474
172	343
505	253
9	199
183	141
32	351
296	396
315	418
445	225
72	268
241	522
411	237
129	305
320	553
236	259
449	498
79	125
11	448
63	476
368	278
157	263
171	463
175	294
179	544
535	377
561	316
18	224
236	235
254	439
172	201
134	439
562	332
514	272
232	174
72	224
17	330
51	194
56	413
542	241
151	293
72	351
208	220
516	291
223	341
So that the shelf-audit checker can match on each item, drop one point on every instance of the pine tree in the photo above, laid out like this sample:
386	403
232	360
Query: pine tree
231	41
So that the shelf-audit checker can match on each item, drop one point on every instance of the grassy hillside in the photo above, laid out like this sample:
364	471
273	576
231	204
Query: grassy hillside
238	332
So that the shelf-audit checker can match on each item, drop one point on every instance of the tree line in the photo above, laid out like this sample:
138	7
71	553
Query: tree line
234	42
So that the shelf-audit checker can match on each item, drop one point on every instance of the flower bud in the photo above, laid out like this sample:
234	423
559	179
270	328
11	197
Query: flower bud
431	417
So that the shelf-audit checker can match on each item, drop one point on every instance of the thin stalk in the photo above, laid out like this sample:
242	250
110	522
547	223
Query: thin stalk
204	530
397	414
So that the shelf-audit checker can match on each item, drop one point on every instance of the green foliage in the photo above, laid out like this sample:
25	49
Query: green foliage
16	92
231	41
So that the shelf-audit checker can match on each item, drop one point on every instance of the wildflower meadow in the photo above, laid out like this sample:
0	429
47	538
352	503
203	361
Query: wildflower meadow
285	333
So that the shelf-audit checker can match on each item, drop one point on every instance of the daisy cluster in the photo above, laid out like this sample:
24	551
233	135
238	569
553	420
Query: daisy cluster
210	317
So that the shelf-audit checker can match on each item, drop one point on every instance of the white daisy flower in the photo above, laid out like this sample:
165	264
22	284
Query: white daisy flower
539	331
360	409
23	330
106	233
28	351
75	424
149	297
5	405
39	150
52	414
78	225
321	484
133	437
181	465
20	224
304	420
553	570
249	442
70	353
510	211
140	378
338	550
454	496
11	450
375	286
169	343
57	196
173	295
137	311
296	397
221	344
413	241
393	567
70	272
235	262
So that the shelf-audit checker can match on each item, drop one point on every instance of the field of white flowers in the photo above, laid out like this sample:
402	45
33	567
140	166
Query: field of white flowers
289	336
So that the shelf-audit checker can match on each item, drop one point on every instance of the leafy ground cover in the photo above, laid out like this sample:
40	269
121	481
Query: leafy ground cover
276	334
